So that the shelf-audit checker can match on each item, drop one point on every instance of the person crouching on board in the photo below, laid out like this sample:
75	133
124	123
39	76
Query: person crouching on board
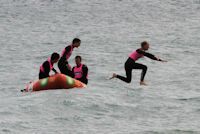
131	63
63	64
80	71
47	66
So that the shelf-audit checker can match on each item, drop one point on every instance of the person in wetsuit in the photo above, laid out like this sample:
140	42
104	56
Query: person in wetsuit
47	66
131	64
80	71
63	64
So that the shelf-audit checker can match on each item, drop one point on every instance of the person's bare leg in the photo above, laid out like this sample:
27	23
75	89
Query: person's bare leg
142	83
113	76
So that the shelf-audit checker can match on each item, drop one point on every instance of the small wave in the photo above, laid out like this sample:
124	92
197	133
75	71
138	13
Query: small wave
190	99
68	102
61	119
173	131
6	131
178	131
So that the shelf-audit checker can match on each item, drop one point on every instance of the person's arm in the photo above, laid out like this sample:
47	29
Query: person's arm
54	70
73	72
85	72
46	67
151	56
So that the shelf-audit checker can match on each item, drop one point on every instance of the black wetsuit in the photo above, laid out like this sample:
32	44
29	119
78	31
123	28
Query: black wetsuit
63	63
46	67
130	64
84	78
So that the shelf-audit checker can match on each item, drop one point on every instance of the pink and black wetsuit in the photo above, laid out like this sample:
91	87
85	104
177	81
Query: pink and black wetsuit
45	68
63	64
80	73
131	64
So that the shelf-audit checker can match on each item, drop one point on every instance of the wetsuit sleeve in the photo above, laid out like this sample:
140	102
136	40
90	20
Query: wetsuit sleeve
151	56
54	70
85	72
73	72
46	67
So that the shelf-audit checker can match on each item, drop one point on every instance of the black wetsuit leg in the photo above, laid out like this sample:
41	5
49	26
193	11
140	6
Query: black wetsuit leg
62	65
43	75
84	80
129	66
144	70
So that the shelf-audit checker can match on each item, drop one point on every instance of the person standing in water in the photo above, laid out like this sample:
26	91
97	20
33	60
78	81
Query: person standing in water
131	64
80	71
47	66
63	64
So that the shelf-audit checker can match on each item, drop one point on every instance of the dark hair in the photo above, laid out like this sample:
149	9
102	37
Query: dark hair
55	56
144	43
78	57
76	40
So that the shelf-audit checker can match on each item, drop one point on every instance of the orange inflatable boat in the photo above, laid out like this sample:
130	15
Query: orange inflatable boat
57	81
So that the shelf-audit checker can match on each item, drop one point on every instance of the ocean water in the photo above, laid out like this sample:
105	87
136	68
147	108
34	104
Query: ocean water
30	30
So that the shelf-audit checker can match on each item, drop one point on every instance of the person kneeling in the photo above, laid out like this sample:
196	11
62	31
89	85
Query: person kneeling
80	71
47	66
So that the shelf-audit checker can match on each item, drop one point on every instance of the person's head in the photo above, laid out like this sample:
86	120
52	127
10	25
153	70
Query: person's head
55	57
76	42
78	60
145	45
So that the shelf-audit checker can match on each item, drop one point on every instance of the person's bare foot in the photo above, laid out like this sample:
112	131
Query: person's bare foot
114	76
142	83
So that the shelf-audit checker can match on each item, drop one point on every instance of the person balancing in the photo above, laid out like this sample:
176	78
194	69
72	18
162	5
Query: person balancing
131	64
63	64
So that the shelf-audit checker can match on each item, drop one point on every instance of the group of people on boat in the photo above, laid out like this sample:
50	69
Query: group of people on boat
79	72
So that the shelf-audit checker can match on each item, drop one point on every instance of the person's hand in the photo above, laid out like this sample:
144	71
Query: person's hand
161	59
157	57
164	61
69	67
